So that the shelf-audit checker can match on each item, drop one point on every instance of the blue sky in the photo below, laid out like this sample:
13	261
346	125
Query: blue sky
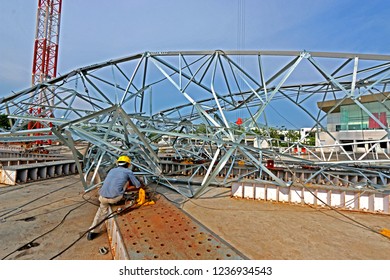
98	30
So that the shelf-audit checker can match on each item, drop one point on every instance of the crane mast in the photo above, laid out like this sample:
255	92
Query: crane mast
45	57
46	40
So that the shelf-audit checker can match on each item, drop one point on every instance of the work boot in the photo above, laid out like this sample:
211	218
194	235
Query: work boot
91	235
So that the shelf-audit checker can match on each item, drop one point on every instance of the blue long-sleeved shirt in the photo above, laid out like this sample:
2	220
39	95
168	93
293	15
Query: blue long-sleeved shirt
115	181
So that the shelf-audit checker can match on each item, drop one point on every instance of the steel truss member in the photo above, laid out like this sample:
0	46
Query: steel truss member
175	113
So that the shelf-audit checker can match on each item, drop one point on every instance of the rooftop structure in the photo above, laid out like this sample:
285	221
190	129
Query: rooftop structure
361	127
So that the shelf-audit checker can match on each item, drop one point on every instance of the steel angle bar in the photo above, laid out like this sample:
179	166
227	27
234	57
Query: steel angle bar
211	176
218	104
102	139
349	93
101	93
198	107
68	140
238	70
32	118
110	135
88	117
90	165
233	161
24	132
189	78
95	139
317	122
131	80
259	164
289	70
96	166
139	134
26	138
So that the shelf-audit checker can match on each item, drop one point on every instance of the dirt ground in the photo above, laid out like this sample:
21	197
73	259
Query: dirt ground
42	219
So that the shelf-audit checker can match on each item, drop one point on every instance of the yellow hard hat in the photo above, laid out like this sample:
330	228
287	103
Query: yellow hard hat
124	159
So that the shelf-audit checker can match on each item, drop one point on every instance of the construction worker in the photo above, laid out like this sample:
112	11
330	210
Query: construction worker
112	191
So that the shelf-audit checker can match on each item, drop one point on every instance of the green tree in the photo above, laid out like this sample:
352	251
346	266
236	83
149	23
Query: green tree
292	135
4	121
201	129
311	139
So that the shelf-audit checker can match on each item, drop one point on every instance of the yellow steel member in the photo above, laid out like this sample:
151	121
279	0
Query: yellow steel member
385	232
142	198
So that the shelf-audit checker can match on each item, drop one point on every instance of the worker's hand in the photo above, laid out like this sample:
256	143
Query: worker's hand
131	189
142	184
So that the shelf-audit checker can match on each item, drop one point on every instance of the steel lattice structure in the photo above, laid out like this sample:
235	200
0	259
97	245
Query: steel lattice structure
191	99
46	40
45	58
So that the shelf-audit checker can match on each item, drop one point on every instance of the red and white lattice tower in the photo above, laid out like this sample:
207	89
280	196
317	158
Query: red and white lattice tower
45	55
46	40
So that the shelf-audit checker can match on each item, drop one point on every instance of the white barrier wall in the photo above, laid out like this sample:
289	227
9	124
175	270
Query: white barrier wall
316	195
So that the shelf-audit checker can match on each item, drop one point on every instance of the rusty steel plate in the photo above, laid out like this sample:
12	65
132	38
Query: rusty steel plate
164	232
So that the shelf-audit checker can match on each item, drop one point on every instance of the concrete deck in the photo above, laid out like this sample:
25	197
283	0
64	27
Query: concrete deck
39	220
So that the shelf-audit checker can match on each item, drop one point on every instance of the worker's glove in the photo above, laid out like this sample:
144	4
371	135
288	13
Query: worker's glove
131	189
